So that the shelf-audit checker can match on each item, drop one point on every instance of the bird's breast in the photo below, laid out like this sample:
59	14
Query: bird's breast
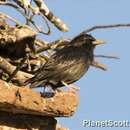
78	64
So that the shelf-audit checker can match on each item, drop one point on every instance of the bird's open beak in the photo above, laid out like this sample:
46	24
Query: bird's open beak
98	42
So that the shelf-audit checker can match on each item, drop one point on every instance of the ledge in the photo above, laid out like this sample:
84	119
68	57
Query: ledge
62	104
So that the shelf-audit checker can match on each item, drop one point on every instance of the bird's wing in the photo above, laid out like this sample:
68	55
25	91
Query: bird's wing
58	63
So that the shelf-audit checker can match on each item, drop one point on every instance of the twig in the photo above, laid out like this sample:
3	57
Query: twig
28	19
20	77
52	45
10	18
13	6
16	70
38	29
98	65
109	57
17	8
48	27
104	27
50	16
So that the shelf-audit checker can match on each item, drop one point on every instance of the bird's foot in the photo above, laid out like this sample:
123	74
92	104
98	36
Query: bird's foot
47	94
72	87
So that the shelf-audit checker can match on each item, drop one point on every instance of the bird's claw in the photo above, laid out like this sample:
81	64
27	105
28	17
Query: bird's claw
47	94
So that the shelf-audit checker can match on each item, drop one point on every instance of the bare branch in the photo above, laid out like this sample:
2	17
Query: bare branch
50	16
5	16
105	27
20	77
13	6
104	56
51	45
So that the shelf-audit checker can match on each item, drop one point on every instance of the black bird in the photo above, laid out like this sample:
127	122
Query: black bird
67	64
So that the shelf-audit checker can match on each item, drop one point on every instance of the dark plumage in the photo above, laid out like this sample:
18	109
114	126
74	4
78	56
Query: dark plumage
67	64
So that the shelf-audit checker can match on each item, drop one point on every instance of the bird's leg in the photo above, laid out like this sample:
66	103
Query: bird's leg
43	94
46	94
99	65
44	89
71	86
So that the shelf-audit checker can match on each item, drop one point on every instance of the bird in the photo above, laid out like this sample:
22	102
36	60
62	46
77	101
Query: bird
68	64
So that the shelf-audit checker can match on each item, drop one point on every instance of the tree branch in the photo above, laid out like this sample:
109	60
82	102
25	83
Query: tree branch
104	27
50	16
20	77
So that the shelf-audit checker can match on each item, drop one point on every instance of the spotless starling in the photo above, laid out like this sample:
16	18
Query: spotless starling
67	64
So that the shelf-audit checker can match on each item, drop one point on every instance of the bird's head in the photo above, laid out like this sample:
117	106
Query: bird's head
86	40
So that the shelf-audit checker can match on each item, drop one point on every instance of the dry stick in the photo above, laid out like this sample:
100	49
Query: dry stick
23	14
41	5
5	16
44	48
22	3
38	29
48	27
19	66
50	16
12	5
10	18
104	27
9	69
52	45
104	56
27	17
34	12
15	7
16	70
30	19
